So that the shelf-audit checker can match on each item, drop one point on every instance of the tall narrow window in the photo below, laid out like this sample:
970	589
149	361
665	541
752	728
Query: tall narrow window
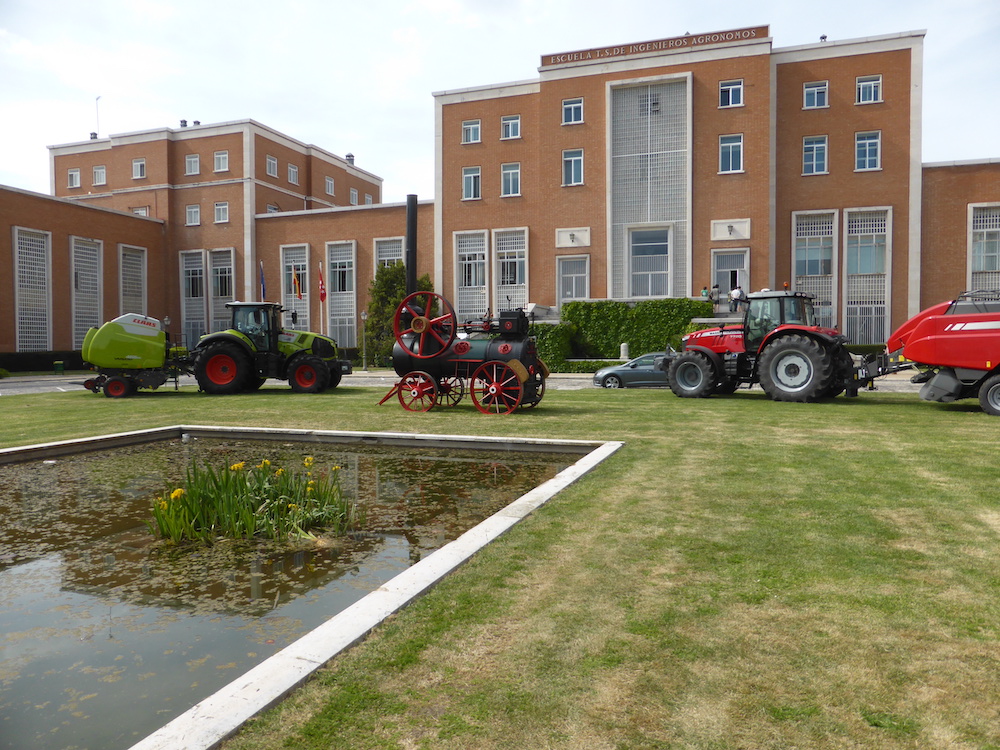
572	167
193	215
649	256
86	289
471	187
221	161
510	127
866	279
295	287
100	175
869	89
341	301
138	169
471	131
814	155
354	196
511	247
867	151
510	179
73	178
814	94
572	111
985	247
132	280
731	93
470	275
731	153
271	165
330	186
813	259
32	301
293	174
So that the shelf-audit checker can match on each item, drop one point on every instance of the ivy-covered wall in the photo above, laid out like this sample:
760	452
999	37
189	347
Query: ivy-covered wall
596	330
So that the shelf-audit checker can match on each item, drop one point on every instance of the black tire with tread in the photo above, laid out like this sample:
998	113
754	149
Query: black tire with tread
213	373
308	374
796	368
691	375
989	395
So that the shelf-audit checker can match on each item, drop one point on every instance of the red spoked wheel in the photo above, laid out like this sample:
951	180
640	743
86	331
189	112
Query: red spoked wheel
417	392
496	388
425	336
450	390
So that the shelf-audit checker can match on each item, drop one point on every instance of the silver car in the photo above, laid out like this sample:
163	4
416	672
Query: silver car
636	373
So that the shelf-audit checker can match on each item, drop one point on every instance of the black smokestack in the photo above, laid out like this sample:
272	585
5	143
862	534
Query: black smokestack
411	244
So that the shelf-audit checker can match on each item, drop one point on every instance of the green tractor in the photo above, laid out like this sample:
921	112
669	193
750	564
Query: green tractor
133	351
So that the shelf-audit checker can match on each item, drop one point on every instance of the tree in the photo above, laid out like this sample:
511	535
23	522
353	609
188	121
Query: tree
386	291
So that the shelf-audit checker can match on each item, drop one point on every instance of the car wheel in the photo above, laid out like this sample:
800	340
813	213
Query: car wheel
612	381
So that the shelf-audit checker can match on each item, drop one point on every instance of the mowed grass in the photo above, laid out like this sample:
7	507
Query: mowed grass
742	574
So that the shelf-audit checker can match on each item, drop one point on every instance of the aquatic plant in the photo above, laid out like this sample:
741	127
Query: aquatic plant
256	500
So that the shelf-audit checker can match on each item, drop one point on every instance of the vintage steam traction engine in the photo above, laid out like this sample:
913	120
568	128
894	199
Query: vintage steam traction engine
438	360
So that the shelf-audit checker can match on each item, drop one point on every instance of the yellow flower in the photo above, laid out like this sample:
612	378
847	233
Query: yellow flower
293	506
238	467
263	464
308	462
279	472
177	494
163	504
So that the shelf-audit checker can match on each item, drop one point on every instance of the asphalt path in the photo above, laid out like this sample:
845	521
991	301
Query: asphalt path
22	385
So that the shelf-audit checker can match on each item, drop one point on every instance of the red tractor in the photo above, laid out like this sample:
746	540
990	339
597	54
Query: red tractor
780	346
956	347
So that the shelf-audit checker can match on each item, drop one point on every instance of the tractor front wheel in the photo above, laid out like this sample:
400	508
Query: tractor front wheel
989	395
691	375
308	374
796	368
118	387
222	368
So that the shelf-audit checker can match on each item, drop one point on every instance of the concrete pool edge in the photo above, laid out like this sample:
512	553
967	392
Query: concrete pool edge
219	716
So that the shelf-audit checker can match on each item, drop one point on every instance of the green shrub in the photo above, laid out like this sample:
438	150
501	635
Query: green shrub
4	373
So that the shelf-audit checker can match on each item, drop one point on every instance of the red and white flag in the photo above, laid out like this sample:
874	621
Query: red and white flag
322	286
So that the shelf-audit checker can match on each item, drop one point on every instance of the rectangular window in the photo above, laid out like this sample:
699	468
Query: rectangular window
222	281
572	171
510	179
866	281
141	210
86	290
33	300
132	280
511	248
471	131
814	155
573	278
867	151
293	174
649	251
341	301
193	215
985	247
869	89
572	111
221	267
192	164
271	165
814	95
471	297
731	93
194	316
329	186
73	178
510	127
731	153
221	161
138	169
295	292
368	199
354	196
221	213
388	251
100	175
471	183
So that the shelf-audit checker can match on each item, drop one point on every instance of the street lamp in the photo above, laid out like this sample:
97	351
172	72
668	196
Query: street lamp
364	341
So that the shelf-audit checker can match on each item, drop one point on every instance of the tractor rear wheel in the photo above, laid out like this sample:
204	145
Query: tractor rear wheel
691	375
796	368
222	368
989	395
308	374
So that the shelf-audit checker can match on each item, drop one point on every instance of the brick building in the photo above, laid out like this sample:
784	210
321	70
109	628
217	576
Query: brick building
631	172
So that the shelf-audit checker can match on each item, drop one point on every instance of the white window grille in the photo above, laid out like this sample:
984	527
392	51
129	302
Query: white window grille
192	215
814	155
330	185
221	212
32	294
511	253
271	165
471	183
572	111
295	262
650	177
138	169
192	164
388	251
73	178
814	262
866	278
869	89
574	278
510	127
100	175
471	300
354	196
815	94
221	161
193	314
471	131
731	153
341	298
572	173
986	247
293	174
222	288
731	93
132	280
86	292
867	150
510	179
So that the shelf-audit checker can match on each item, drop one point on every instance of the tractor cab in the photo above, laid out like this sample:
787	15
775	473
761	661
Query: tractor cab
258	321
768	310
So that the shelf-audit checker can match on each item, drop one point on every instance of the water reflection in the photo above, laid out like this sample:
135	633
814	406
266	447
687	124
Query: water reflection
106	633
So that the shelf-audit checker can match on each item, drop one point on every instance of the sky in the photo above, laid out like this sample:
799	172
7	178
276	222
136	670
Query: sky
359	77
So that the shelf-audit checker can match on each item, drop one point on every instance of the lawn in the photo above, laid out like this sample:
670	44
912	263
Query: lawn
742	574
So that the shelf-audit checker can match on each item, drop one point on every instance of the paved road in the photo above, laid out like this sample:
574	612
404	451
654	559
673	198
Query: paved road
15	386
